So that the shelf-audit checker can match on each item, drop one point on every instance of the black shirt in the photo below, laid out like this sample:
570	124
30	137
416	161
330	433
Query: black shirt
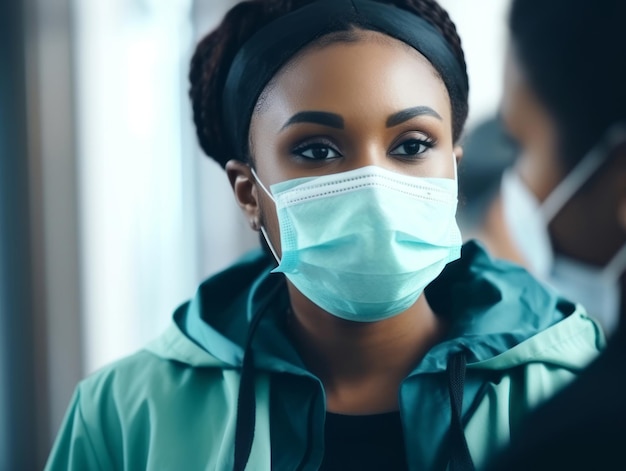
364	442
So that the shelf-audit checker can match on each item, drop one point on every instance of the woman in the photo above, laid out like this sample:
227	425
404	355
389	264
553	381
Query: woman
573	129
344	345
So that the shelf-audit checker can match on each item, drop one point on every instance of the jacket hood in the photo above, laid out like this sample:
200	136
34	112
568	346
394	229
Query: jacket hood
500	316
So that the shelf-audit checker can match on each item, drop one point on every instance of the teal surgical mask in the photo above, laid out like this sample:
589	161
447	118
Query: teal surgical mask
364	244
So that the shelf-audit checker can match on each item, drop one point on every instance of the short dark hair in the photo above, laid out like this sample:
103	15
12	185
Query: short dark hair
573	53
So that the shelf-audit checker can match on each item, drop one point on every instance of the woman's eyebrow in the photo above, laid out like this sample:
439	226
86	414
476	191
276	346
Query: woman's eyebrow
317	117
405	115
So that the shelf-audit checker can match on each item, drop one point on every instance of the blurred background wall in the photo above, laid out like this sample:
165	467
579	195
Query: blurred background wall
109	214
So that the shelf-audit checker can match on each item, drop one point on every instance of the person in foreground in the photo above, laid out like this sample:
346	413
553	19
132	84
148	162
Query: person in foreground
364	336
574	125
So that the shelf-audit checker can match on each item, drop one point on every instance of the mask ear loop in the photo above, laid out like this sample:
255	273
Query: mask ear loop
258	180
456	168
617	265
269	244
582	172
262	229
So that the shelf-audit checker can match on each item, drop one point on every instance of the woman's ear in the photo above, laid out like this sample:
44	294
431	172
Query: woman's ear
244	186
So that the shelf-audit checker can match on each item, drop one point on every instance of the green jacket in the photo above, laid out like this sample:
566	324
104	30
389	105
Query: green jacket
173	405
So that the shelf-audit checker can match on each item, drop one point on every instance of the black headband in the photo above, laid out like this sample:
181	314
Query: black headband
262	56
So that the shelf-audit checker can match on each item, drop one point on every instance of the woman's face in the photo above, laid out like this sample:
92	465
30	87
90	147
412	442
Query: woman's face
347	105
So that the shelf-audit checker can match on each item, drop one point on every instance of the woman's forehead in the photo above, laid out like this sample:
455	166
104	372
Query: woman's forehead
274	44
371	72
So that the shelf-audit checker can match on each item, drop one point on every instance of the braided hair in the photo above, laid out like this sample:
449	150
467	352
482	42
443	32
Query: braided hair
214	54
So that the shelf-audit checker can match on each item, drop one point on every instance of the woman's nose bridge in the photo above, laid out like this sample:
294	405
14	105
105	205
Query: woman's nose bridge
369	153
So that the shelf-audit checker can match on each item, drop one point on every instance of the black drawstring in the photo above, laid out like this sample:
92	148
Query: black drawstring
246	413
460	458
246	400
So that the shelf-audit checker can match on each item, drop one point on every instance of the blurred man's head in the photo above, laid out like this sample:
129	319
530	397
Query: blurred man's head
565	86
565	89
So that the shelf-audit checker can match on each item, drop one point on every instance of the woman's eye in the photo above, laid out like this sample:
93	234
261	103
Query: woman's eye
412	147
317	152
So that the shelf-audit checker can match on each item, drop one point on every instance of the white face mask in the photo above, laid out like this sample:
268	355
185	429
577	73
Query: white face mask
597	289
527	220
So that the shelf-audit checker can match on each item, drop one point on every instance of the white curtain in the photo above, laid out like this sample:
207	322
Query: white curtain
138	209
483	31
